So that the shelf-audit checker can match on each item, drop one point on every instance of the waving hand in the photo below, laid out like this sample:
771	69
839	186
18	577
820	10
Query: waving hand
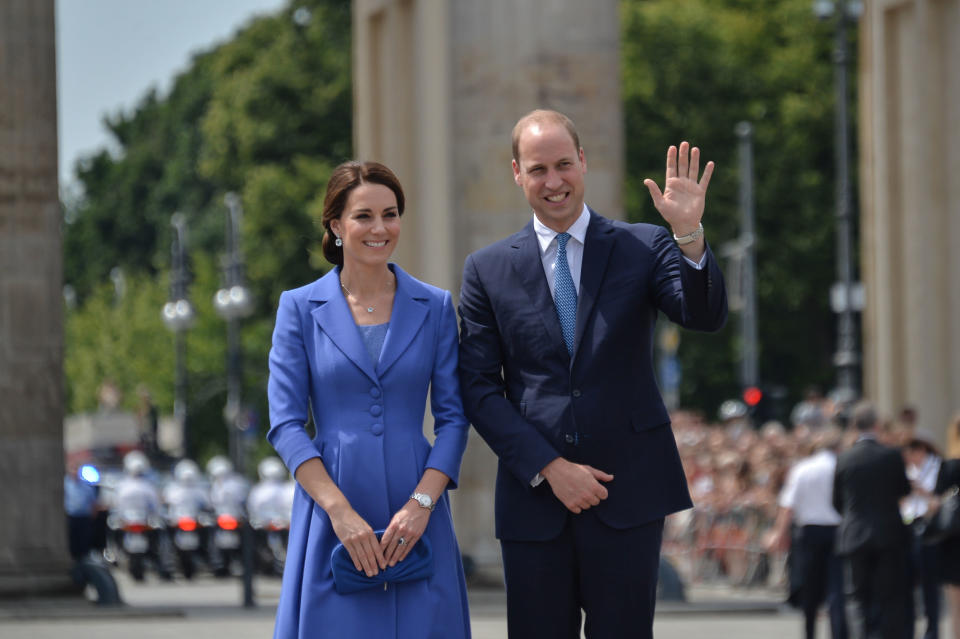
682	201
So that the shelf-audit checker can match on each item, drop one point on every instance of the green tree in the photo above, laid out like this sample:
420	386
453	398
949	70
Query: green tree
267	114
693	69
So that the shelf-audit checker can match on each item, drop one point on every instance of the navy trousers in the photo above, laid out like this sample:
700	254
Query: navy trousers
609	574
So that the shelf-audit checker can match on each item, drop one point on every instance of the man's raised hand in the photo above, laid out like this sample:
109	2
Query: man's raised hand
682	201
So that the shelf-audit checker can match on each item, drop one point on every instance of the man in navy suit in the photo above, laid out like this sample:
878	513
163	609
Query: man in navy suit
557	376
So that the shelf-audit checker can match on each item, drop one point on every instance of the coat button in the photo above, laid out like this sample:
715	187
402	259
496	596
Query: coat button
377	429
374	392
375	410
568	439
576	392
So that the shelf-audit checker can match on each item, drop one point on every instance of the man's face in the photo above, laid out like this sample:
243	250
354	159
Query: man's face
550	171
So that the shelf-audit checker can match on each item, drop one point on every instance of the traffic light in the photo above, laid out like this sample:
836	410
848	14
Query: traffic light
752	396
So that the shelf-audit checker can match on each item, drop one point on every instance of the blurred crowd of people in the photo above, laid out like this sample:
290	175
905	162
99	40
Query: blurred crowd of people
764	497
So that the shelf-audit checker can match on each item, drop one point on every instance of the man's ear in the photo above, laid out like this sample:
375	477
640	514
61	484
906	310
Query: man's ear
516	172
583	160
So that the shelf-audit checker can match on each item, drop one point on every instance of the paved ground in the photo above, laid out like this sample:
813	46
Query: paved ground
210	608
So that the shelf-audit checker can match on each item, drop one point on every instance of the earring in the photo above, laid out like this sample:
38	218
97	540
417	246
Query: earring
338	242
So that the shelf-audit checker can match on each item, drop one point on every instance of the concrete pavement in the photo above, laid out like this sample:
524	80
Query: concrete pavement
210	608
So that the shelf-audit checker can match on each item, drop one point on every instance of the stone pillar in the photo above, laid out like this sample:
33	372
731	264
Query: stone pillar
33	545
438	86
910	221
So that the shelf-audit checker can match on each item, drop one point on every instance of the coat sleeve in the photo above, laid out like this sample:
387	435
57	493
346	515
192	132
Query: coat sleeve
519	445
694	299
288	388
450	425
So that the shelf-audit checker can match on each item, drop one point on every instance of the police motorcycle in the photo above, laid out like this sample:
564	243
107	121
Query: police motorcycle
135	526
269	505
188	516
228	494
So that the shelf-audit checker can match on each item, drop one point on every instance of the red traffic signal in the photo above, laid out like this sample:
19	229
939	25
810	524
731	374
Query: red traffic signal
752	396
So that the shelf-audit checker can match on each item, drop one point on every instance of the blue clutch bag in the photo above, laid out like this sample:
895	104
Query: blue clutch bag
346	579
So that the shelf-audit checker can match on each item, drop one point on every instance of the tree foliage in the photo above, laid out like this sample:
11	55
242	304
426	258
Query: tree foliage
693	69
267	114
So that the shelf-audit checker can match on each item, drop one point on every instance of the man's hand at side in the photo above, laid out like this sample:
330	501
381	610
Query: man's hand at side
577	486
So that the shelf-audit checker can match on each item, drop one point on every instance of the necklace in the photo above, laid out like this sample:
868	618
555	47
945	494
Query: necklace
369	309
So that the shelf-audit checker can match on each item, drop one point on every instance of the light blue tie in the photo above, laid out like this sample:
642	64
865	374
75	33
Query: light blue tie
564	293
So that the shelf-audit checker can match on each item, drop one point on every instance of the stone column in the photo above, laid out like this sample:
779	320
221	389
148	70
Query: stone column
33	545
910	221
438	86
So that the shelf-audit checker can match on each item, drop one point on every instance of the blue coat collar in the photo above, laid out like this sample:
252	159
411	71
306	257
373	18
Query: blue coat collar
410	307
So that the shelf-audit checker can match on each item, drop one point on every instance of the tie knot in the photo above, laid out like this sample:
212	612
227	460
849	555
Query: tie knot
562	240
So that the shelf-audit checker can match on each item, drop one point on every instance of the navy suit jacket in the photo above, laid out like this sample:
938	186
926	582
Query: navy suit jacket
532	402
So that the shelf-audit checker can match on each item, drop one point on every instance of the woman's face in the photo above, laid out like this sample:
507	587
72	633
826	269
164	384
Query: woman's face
369	225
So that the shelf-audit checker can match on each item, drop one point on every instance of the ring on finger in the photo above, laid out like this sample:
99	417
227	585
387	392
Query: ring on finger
401	541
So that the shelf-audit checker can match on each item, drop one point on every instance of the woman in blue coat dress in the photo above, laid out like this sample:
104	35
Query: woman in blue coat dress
358	349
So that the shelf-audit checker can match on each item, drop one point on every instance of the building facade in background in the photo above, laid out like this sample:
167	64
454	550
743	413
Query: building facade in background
910	206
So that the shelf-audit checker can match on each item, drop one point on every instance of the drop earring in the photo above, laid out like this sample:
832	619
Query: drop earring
338	242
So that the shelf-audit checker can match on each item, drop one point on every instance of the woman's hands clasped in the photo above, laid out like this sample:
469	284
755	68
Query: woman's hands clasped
408	525
358	538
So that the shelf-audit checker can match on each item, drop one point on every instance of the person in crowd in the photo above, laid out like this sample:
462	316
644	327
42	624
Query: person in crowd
357	350
80	504
869	482
806	502
557	323
228	488
186	493
948	478
136	493
268	498
923	460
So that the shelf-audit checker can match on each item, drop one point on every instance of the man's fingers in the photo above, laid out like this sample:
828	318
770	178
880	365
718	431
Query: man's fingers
599	474
654	192
694	163
671	162
707	172
683	164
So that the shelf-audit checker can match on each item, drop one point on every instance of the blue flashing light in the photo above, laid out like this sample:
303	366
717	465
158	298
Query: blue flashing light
89	474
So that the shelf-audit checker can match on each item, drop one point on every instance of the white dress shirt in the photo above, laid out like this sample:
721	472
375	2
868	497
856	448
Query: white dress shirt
808	491
547	238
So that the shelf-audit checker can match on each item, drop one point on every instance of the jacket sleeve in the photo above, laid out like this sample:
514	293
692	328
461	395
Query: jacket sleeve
450	425
288	388
694	299
520	446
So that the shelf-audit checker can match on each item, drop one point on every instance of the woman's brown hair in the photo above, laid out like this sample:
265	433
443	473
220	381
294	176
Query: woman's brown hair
344	179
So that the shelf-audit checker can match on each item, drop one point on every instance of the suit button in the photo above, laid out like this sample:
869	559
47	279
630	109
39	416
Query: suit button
576	392
375	410
377	429
568	439
374	392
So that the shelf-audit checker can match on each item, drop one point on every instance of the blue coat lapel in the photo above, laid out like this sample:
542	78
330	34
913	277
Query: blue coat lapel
596	254
410	307
334	318
529	268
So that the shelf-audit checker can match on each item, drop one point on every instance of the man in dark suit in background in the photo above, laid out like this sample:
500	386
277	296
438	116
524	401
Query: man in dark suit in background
557	376
869	483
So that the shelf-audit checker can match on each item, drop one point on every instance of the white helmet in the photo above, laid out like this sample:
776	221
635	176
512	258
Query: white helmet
271	468
186	471
219	466
136	463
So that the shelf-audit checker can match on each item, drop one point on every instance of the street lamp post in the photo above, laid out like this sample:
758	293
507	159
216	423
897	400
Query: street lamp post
233	302
846	294
178	316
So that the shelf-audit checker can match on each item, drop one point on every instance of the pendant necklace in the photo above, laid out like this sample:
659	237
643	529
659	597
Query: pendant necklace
369	309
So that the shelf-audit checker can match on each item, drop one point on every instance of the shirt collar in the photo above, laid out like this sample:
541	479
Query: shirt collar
577	230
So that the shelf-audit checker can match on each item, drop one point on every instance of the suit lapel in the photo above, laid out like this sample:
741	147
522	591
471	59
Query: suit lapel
529	268
596	254
408	314
334	318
